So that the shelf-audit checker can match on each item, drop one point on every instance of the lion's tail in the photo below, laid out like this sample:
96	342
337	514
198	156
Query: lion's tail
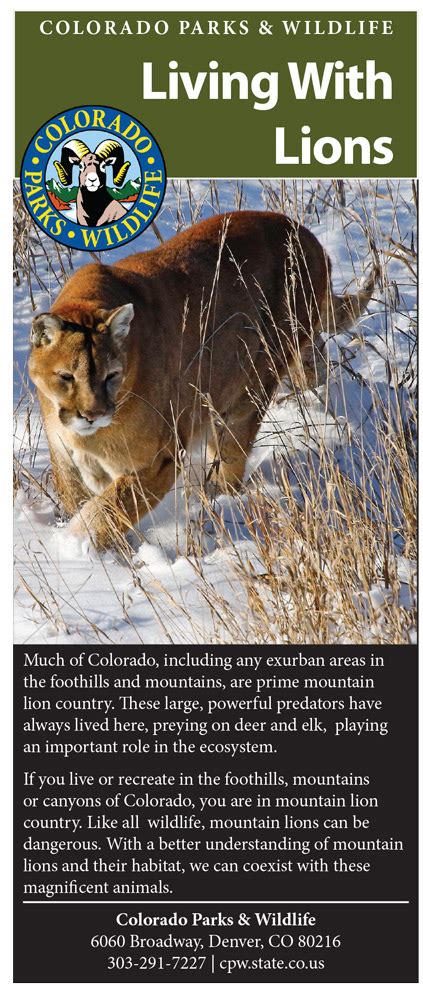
339	312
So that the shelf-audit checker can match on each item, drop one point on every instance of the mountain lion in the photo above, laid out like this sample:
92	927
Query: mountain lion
136	361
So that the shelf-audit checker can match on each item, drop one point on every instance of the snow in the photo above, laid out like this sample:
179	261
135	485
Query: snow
169	588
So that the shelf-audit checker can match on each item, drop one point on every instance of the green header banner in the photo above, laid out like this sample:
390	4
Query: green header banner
279	94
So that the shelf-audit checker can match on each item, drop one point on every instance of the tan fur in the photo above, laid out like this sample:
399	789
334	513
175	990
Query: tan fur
219	314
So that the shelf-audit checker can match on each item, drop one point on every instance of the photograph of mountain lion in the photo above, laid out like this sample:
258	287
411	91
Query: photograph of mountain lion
135	362
215	427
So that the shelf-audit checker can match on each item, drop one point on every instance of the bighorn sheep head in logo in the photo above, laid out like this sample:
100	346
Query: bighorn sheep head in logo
94	205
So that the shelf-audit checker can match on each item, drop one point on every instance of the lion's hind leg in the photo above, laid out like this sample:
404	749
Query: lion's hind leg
229	445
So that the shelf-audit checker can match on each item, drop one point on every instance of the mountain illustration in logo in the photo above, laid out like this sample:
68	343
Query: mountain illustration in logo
63	197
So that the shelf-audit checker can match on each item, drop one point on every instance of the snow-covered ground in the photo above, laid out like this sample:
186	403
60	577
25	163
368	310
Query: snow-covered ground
181	571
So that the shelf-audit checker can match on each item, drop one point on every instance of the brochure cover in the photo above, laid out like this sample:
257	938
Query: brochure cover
215	429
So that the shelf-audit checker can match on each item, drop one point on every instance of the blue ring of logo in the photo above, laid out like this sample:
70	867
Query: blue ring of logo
42	195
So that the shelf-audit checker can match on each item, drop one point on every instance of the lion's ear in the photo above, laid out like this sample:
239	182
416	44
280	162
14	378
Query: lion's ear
119	321
44	329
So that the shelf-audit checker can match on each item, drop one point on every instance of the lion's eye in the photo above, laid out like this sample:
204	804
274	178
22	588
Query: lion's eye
65	376
111	375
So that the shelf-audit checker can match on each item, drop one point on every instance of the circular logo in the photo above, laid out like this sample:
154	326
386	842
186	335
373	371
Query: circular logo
93	177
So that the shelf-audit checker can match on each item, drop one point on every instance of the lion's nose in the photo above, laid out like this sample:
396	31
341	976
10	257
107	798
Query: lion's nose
91	415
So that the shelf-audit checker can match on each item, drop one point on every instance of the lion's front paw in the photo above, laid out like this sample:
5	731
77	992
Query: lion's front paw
91	525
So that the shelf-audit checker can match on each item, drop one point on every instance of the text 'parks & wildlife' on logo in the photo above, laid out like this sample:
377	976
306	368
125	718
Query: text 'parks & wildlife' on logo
93	177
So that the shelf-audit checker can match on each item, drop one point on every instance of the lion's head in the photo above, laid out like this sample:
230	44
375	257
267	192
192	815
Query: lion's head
78	361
